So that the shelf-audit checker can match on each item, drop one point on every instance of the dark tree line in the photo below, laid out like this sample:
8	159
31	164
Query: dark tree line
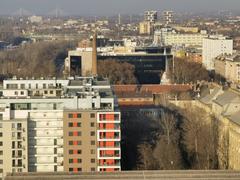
117	72
185	71
170	139
38	59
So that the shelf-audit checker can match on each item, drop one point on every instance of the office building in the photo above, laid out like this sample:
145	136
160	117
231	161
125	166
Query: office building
170	37
214	46
52	125
149	62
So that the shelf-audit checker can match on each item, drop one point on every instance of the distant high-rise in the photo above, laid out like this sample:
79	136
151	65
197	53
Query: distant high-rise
150	16
168	17
145	28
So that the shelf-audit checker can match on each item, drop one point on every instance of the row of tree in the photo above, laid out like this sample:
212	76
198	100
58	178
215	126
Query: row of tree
38	59
170	139
185	71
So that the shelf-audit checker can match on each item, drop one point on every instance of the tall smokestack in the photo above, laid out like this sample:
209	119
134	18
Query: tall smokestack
94	54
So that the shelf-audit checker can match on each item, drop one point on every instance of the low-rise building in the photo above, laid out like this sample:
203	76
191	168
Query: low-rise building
168	36
225	106
228	66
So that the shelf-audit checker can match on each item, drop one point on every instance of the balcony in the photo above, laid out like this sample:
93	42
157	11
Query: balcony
109	118
107	144
109	168
108	135
109	126
116	163
109	154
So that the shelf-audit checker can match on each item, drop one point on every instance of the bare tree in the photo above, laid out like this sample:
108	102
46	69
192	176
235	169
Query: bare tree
199	138
146	159
118	73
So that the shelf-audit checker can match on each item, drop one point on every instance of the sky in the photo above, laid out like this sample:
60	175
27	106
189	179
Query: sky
110	7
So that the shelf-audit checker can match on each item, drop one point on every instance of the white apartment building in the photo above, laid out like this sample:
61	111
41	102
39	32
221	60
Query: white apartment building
214	46
32	120
170	37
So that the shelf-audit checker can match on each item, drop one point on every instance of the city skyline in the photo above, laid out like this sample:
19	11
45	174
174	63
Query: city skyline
109	7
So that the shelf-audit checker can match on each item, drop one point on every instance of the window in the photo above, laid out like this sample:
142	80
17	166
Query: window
70	115
79	151
0	119
70	142
92	124
51	92
79	160
92	142
22	92
70	151
1	134
15	93
70	161
19	161
79	133
22	86
79	169
92	160
13	144
79	124
70	133
45	92
70	124
92	115
1	161
92	151
92	133
79	142
1	152
44	86
79	115
1	143
70	169
54	106
92	169
1	170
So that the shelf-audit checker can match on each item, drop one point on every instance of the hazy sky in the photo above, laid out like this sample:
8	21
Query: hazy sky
102	7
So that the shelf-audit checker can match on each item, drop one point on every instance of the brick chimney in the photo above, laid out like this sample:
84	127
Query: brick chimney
94	54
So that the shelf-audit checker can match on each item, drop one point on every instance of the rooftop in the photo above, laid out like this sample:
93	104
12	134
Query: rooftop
227	97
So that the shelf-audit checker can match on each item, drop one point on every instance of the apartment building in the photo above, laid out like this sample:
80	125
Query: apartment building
228	66
225	106
51	125
214	46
